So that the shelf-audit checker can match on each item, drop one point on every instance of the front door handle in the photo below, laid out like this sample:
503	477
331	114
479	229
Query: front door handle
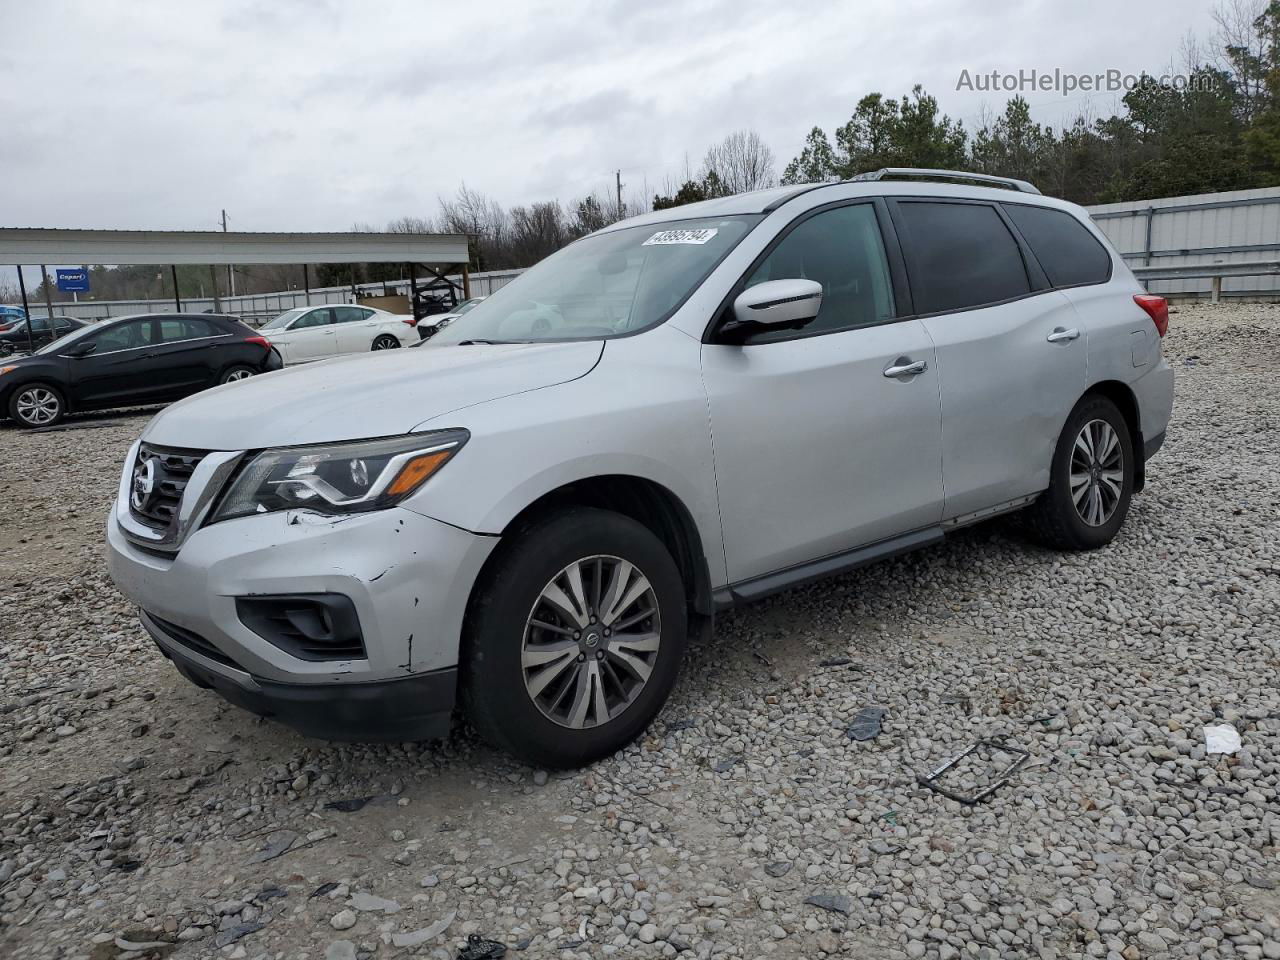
902	368
1061	335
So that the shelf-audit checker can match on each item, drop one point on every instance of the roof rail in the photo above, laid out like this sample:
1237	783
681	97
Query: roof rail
897	173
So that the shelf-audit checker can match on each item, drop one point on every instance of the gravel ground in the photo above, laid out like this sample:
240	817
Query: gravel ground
136	809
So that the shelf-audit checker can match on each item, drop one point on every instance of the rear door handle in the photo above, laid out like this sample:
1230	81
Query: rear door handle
1061	335
902	368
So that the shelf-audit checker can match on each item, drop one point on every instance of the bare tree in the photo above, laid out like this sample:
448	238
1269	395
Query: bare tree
411	225
537	231
740	162
483	220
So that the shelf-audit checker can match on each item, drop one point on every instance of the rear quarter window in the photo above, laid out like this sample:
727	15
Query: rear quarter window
1069	253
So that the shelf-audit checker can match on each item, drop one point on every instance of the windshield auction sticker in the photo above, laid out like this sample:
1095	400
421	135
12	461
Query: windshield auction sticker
680	236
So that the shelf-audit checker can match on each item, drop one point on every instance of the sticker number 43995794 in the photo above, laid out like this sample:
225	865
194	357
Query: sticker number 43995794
701	235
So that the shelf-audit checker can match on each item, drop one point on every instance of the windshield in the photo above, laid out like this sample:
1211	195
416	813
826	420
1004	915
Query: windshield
605	285
286	318
466	305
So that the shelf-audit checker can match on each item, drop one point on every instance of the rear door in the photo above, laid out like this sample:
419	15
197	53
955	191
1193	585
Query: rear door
819	447
186	349
356	328
1011	353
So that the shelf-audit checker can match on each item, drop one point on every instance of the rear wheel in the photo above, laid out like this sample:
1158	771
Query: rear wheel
237	373
37	405
574	639
385	342
1091	480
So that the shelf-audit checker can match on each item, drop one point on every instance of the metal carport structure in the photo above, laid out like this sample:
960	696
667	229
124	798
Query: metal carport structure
438	253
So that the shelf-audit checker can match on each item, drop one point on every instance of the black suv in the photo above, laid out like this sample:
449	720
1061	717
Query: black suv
155	358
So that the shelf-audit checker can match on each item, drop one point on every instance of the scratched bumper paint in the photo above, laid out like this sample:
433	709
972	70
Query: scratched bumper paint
409	577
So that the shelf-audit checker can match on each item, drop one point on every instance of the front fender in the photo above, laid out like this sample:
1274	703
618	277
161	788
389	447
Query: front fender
642	412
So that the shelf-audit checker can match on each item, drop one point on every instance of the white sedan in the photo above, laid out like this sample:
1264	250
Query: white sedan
314	333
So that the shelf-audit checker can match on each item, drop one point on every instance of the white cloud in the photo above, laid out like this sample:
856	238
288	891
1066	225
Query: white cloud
297	115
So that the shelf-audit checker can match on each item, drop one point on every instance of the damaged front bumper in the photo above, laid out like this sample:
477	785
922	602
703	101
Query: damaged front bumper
411	708
407	577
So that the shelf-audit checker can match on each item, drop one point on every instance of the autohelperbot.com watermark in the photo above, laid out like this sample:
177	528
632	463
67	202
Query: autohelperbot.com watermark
1066	83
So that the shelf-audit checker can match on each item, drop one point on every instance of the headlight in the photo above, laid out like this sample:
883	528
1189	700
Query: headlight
338	477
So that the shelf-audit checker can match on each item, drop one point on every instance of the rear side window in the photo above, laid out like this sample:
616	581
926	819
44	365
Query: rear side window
175	329
350	314
1069	253
960	255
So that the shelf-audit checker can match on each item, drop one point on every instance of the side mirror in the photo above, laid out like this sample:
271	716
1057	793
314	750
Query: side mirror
82	349
778	303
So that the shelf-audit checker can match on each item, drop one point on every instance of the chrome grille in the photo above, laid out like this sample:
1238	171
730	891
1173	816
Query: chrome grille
172	469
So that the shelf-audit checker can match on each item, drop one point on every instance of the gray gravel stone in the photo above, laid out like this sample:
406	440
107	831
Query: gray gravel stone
1120	835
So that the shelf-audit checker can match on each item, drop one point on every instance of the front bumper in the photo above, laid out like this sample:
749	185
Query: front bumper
408	577
410	708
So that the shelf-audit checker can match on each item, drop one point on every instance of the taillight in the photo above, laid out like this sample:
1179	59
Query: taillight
1157	309
411	321
260	341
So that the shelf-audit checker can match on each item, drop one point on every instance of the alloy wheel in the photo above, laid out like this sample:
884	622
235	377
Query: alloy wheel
38	406
235	375
590	642
386	343
1097	472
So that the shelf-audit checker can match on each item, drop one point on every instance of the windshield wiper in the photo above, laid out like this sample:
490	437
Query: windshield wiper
484	343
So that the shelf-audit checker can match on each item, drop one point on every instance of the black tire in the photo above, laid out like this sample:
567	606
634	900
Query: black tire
20	405
494	692
385	341
238	372
1055	518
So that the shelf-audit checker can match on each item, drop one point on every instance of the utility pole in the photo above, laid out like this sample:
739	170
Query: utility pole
48	297
26	310
622	211
231	277
213	279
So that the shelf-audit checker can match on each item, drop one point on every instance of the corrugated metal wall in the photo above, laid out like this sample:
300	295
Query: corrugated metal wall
1234	227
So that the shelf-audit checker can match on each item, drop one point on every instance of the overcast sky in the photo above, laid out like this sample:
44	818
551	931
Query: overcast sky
317	115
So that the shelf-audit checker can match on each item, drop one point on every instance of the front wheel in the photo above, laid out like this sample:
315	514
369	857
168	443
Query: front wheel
574	638
37	405
385	342
1091	479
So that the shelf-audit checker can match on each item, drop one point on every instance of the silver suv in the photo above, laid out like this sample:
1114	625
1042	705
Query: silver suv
685	411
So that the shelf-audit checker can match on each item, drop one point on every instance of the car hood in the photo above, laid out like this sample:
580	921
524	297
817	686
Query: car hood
368	395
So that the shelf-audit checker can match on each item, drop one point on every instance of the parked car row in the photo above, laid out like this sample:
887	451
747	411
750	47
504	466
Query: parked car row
157	358
682	412
154	358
